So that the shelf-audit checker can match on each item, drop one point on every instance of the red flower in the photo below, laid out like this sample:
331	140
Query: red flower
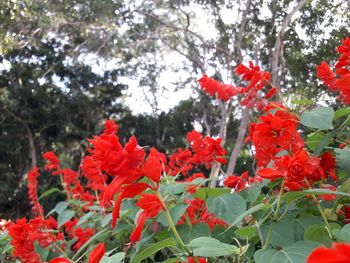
110	127
151	206
298	171
54	163
192	260
339	82
83	236
33	191
153	166
328	164
97	254
127	192
193	188
339	253
23	237
60	260
325	74
223	91
271	93
328	197
92	172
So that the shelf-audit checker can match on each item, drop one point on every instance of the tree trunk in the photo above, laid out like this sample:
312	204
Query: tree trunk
239	142
278	48
32	149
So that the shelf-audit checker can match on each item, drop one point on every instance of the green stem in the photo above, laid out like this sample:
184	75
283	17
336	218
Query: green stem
268	238
328	227
275	218
279	201
173	228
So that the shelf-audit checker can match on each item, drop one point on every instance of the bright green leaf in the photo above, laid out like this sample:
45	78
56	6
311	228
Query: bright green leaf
343	234
343	158
116	258
150	250
226	207
64	217
49	192
175	212
318	118
294	253
211	247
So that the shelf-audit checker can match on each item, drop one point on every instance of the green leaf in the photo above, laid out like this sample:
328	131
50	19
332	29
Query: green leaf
301	223
313	140
116	258
250	194
341	113
150	250
188	233
250	211
84	218
105	221
171	260
282	231
49	192
64	217
211	247
317	233
59	208
318	118
342	234
246	232
175	212
343	158
294	253
292	196
172	189
324	143
43	252
226	207
204	193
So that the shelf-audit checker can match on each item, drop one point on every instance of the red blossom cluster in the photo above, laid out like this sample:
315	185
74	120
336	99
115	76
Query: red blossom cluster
197	212
203	151
340	80
241	182
257	79
338	253
275	132
24	234
223	91
33	191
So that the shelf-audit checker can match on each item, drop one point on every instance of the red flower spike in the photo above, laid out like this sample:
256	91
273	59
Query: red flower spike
340	81
223	91
32	191
339	253
54	163
97	254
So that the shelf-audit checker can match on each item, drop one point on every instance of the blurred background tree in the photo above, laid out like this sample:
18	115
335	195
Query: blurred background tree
68	65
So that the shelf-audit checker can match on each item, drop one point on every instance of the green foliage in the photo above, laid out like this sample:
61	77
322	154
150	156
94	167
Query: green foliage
319	118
